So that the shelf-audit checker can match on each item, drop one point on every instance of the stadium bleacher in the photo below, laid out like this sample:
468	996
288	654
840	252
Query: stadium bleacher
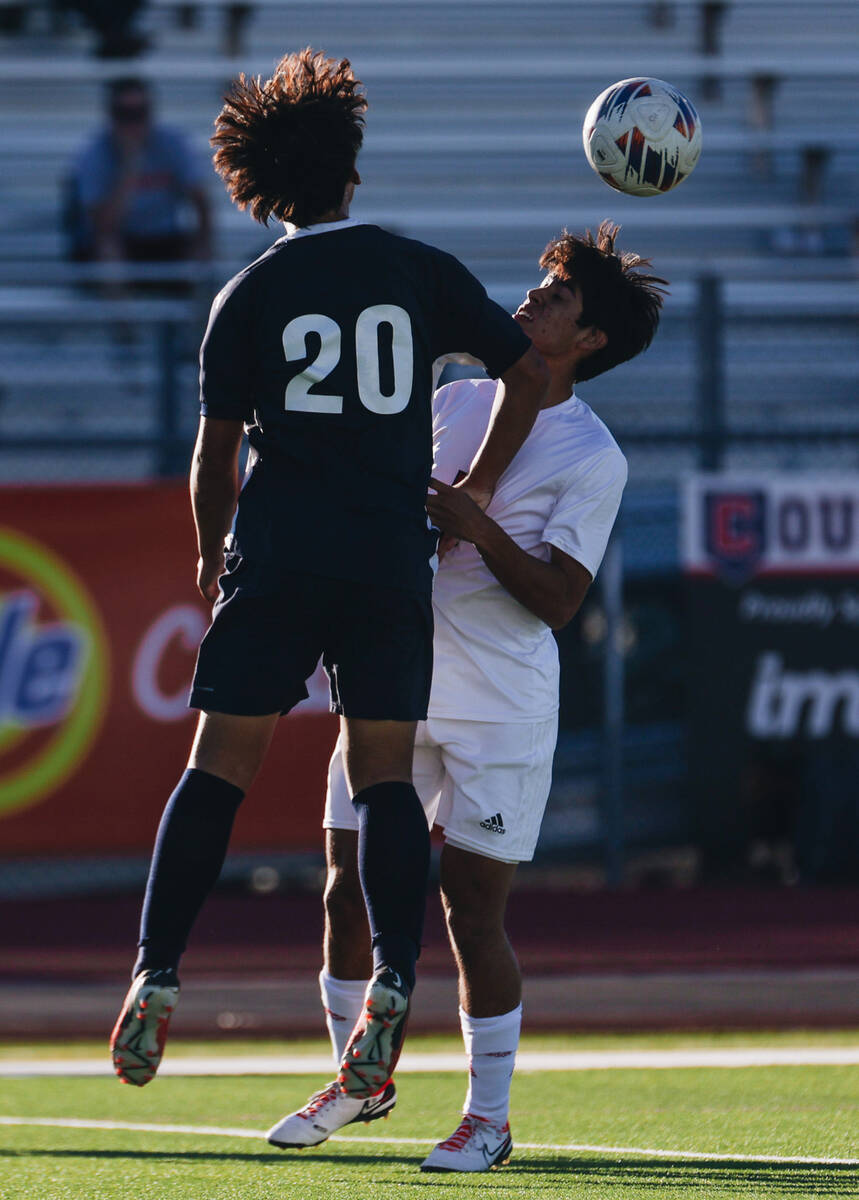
473	142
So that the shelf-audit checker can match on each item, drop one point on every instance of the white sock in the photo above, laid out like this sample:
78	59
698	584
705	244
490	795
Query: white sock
342	1000
491	1044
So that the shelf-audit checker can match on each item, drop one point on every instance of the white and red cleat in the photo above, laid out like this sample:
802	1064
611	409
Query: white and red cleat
477	1145
137	1041
328	1111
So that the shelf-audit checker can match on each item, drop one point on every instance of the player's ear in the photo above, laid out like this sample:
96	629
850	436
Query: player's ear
594	339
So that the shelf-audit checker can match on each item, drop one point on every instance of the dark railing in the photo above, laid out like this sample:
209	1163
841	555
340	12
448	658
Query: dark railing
708	302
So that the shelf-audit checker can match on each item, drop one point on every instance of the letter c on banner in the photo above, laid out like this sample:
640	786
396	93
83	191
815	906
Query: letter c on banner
184	622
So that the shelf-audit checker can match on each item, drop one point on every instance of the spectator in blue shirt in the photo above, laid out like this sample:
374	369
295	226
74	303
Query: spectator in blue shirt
137	190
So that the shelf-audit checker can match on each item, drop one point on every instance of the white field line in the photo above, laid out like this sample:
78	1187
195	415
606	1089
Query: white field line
577	1147
526	1060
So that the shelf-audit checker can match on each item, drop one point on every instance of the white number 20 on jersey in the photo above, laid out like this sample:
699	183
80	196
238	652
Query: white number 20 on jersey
299	398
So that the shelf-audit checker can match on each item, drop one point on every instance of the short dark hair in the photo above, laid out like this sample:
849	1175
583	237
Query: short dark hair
617	298
287	147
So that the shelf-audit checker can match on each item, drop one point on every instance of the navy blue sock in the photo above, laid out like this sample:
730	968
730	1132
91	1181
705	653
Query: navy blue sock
190	849
393	863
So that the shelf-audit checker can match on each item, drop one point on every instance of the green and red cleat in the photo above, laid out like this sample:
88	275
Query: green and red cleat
373	1049
137	1041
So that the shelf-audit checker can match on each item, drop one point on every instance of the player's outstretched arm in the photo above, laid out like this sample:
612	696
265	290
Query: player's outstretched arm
521	391
214	493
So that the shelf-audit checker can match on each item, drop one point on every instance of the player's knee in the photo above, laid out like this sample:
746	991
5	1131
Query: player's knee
377	752
343	898
471	927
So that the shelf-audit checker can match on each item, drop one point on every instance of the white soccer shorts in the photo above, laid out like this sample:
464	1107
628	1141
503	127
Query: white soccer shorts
484	783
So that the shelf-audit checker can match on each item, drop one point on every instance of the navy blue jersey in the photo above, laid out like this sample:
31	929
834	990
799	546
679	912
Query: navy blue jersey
324	347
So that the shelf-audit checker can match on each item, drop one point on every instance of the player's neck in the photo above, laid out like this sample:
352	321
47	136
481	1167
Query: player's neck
341	213
330	218
561	387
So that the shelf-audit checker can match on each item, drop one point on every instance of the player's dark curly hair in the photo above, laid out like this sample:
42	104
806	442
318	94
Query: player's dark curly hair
617	298
287	147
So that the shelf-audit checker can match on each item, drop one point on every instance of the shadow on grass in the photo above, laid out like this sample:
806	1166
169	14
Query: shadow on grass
741	1178
191	1156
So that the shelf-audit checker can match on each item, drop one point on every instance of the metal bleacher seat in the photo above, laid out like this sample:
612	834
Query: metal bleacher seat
473	142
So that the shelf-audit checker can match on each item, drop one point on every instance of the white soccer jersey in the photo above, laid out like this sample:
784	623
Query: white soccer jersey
493	659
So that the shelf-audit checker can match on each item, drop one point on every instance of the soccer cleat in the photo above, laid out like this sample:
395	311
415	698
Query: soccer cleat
373	1049
328	1111
477	1145
138	1037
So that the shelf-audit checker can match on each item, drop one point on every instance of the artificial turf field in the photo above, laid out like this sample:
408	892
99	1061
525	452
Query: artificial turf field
576	1133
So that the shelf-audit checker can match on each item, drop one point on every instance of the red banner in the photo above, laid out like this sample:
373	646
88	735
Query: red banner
100	621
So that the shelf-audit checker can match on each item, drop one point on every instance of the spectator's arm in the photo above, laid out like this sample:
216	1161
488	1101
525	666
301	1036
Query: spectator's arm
107	214
199	197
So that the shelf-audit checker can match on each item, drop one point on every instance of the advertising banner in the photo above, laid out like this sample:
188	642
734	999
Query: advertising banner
100	620
773	577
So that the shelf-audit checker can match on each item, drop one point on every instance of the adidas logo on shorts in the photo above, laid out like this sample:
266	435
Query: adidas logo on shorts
494	824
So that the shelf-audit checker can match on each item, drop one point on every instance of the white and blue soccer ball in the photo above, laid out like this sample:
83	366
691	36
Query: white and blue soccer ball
642	136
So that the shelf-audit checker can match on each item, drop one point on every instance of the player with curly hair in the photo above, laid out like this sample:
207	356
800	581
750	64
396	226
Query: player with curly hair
321	351
483	758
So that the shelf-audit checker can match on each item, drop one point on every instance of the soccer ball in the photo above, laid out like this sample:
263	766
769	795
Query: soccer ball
642	136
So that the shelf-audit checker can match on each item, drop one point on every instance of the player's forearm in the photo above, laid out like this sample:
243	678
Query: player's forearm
214	493
541	587
520	395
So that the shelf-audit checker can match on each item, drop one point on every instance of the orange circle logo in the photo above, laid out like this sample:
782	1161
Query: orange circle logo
54	671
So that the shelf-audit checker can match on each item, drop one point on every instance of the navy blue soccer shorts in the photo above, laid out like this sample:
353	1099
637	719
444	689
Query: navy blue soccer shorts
267	637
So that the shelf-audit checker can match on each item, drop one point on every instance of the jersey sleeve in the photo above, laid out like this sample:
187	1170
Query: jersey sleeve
584	513
471	322
226	358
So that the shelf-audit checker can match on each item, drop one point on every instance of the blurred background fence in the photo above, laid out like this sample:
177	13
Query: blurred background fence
473	143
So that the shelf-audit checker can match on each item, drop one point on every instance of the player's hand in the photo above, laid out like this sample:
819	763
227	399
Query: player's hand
480	496
454	511
209	571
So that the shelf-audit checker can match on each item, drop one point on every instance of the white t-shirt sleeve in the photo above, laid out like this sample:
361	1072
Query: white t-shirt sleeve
441	399
585	511
458	424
